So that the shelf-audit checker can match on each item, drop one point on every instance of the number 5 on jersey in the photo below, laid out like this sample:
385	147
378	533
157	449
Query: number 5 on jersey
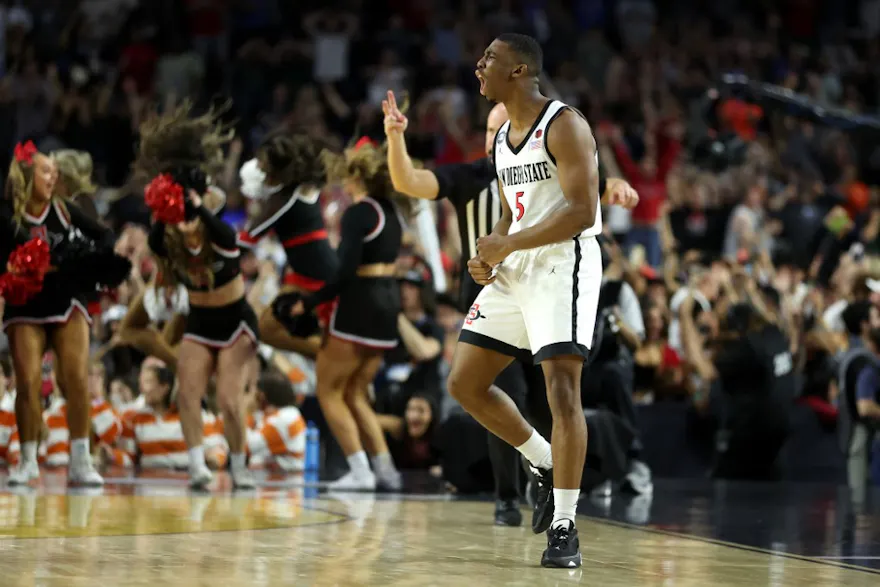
520	209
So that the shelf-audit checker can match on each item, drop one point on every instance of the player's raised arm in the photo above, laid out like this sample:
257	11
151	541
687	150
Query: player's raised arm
571	142
409	181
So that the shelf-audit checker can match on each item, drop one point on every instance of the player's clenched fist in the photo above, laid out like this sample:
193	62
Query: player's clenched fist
481	272
619	193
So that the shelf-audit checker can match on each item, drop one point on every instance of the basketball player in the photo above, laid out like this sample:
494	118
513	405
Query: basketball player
472	190
543	268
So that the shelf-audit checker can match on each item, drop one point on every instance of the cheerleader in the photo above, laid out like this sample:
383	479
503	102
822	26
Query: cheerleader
54	318
75	185
159	304
198	250
286	179
363	324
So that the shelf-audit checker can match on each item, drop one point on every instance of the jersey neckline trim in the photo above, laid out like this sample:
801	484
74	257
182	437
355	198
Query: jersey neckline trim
528	135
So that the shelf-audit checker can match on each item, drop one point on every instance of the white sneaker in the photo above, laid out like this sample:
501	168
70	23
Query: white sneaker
389	479
23	474
352	482
200	478
242	478
83	474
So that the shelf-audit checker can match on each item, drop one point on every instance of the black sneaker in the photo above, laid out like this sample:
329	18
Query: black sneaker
563	548
507	513
542	515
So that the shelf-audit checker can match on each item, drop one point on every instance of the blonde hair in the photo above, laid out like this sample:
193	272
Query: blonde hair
368	164
19	187
75	172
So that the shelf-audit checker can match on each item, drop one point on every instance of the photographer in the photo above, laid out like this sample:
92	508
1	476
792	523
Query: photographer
754	369
620	330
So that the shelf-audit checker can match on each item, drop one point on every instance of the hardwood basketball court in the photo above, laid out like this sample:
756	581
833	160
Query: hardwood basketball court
152	532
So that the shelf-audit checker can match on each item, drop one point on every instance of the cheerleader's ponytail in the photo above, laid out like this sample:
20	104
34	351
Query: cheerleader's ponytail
20	179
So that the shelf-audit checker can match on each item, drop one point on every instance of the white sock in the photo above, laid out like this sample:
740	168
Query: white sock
537	451
79	450
359	464
197	458
383	462
565	503
237	460
29	452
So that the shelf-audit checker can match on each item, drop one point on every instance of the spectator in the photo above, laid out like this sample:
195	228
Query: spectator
412	438
280	440
414	365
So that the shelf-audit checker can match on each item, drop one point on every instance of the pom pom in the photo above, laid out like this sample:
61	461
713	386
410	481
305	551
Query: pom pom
26	268
166	199
88	265
24	153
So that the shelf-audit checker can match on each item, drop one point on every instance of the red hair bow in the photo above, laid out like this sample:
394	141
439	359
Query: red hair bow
27	267
363	141
24	153
165	198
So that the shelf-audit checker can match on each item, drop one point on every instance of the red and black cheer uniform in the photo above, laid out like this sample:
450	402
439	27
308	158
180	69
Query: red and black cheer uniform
294	215
367	307
57	224
214	327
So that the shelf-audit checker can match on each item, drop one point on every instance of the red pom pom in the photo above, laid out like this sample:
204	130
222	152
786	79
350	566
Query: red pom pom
24	153
165	198
27	266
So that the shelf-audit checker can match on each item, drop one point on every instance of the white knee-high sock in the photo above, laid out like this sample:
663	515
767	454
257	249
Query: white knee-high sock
537	451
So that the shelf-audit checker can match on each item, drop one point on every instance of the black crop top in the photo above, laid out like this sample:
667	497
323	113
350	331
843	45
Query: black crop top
53	226
295	217
226	264
371	233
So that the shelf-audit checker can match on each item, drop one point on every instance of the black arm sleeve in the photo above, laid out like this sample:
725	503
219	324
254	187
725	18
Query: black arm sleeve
357	222
102	235
220	233
461	182
156	239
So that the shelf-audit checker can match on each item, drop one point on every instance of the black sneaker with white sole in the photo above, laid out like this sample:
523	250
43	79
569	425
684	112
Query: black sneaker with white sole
542	515
563	548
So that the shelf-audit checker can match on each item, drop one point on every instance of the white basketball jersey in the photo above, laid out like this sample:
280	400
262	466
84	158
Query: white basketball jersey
527	173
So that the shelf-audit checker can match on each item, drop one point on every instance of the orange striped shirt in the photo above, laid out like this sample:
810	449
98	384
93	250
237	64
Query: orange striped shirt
280	441
7	425
156	440
106	428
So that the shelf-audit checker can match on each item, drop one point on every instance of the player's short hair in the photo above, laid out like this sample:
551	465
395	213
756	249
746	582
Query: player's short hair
527	49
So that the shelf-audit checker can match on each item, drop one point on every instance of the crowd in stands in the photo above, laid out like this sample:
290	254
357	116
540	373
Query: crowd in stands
740	204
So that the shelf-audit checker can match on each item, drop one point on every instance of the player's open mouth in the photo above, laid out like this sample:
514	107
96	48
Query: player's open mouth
482	81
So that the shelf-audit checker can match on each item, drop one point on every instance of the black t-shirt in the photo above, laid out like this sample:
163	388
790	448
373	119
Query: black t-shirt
758	365
425	376
701	230
463	184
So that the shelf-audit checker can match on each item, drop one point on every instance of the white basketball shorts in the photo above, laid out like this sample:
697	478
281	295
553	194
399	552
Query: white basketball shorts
542	303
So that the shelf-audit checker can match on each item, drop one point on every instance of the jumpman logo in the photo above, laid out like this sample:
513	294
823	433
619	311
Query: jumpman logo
553	271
